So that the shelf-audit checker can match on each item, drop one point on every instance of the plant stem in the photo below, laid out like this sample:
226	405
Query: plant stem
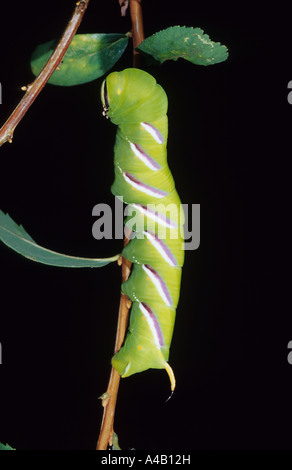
109	398
137	29
33	90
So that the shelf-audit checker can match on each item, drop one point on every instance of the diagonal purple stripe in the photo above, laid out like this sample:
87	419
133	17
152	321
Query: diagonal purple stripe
153	131
160	218
147	160
163	247
155	323
161	283
141	185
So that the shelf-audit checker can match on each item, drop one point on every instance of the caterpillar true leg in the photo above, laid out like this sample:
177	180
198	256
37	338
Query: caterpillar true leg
137	104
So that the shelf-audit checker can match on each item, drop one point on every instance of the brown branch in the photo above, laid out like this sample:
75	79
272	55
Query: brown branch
137	29
109	398
33	90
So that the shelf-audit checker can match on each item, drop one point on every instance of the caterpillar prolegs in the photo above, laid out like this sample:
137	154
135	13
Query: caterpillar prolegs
138	105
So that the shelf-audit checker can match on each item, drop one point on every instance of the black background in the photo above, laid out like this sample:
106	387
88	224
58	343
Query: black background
229	129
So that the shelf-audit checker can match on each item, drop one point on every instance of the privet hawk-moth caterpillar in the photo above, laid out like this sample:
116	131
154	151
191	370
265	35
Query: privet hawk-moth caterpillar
138	105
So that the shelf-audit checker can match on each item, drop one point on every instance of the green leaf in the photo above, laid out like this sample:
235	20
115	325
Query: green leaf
187	43
88	57
19	240
5	447
115	442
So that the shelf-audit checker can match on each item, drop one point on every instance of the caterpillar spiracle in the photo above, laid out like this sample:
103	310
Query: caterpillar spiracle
138	105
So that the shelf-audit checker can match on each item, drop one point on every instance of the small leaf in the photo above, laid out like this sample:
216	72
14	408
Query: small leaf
19	240
5	447
187	43
88	57
115	442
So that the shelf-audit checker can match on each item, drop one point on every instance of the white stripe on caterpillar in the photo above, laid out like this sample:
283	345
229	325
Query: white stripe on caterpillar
159	284
153	324
159	218
162	249
144	187
146	159
153	131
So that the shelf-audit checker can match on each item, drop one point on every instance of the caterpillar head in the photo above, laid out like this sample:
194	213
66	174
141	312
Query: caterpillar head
131	96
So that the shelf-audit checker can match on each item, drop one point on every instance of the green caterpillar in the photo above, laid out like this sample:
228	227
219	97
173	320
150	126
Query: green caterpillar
138	105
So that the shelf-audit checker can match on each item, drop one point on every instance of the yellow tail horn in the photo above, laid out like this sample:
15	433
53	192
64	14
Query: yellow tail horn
171	376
